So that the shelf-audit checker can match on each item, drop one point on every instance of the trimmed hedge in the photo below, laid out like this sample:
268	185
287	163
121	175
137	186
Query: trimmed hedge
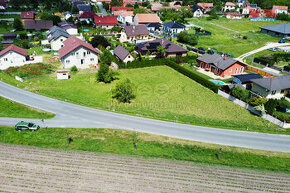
194	76
143	63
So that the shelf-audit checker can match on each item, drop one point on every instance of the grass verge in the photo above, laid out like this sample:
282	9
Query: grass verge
12	109
149	145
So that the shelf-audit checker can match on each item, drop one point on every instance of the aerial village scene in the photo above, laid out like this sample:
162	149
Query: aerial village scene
145	96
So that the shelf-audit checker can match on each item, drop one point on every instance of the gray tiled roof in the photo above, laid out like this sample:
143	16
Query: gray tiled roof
136	30
121	52
280	28
274	83
217	60
168	45
174	25
57	32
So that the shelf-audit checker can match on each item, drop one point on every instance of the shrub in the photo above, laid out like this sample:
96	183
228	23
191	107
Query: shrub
18	25
240	93
185	37
124	91
105	74
30	70
271	105
74	69
256	101
245	37
287	68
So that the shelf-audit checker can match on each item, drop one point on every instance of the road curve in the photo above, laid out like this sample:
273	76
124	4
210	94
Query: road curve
72	115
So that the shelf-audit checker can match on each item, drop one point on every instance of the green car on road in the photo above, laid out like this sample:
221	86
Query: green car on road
26	126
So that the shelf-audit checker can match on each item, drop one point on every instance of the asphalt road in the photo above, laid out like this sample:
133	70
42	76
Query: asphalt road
71	115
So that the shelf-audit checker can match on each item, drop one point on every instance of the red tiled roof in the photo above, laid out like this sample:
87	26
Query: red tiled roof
205	5
122	8
230	4
147	18
87	14
105	19
15	49
27	15
73	43
280	7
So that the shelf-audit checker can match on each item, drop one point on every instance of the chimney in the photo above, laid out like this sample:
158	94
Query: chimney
162	41
225	57
133	27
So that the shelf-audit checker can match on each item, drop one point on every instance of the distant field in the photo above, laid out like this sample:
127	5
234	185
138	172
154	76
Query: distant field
162	93
12	109
227	35
26	169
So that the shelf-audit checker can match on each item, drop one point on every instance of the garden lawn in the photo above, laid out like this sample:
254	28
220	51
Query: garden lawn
12	109
162	93
227	35
121	142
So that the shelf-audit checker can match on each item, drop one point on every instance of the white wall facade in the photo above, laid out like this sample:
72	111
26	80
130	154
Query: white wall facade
174	30
129	58
132	39
11	59
229	7
81	58
72	31
57	43
281	11
198	13
127	19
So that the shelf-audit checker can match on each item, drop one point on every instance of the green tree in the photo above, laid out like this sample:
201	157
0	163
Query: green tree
160	52
240	93
17	25
105	74
139	10
185	37
124	91
271	105
100	40
116	3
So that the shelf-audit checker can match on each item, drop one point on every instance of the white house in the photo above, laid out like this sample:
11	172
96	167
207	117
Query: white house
76	52
197	11
274	87
134	34
280	9
122	54
125	17
70	28
12	56
229	6
67	15
234	15
173	27
56	38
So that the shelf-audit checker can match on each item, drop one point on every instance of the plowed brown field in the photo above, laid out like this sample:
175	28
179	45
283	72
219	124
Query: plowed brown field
30	169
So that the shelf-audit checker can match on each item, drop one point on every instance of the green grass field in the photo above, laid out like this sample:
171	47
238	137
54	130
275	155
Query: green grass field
121	142
227	35
162	93
12	109
14	16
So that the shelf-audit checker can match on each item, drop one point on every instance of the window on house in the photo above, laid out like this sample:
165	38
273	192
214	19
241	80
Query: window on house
273	92
236	70
230	70
61	46
242	68
88	52
61	40
282	91
5	59
206	65
128	56
92	59
67	61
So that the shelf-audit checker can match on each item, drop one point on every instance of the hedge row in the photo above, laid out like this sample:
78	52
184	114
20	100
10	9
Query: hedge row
143	63
194	76
164	61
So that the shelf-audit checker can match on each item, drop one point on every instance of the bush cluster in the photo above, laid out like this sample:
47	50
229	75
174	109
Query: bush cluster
30	70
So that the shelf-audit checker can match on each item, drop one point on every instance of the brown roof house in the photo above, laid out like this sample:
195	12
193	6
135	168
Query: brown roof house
38	25
134	34
12	56
27	16
171	49
145	18
122	54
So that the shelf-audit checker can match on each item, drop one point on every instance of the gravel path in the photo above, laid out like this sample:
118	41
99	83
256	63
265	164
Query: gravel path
31	169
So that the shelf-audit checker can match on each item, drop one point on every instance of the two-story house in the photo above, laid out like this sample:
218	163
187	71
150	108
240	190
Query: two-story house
56	37
76	52
134	34
12	56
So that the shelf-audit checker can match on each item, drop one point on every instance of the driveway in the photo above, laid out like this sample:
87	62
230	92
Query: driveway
267	46
71	115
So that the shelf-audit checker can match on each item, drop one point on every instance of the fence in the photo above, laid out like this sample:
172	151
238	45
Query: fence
251	109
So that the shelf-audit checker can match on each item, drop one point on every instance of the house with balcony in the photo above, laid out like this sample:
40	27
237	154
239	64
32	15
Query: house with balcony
76	52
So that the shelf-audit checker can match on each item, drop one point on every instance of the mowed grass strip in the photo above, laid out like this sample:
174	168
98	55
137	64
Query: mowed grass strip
227	35
148	145
10	108
161	93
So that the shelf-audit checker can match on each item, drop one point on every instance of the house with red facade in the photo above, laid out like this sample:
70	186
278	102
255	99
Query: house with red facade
220	65
106	21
